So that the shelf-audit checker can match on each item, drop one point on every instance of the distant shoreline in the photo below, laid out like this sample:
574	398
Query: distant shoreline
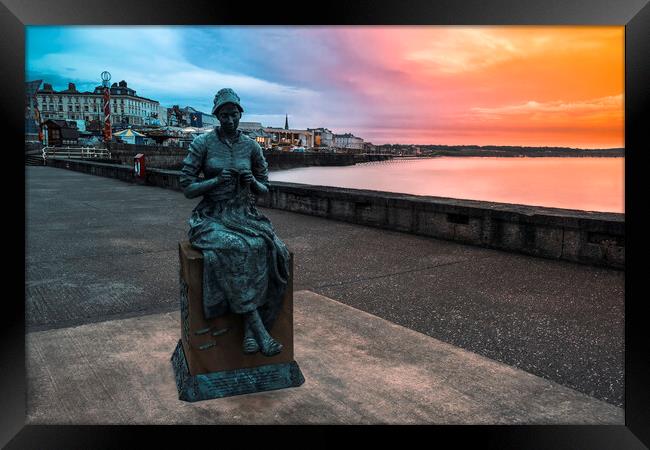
519	153
509	156
495	150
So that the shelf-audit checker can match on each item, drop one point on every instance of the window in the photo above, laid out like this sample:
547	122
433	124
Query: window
61	108
86	108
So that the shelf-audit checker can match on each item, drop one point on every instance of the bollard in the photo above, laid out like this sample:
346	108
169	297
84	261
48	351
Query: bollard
139	167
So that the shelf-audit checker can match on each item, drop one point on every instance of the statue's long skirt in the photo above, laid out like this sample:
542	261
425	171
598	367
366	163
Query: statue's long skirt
245	265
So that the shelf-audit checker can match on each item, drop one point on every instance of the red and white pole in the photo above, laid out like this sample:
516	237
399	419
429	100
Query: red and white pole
106	77
37	118
107	115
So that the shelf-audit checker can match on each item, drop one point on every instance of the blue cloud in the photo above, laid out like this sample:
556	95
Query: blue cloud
276	70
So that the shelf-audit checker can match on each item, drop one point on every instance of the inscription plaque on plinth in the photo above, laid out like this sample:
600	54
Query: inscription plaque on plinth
208	360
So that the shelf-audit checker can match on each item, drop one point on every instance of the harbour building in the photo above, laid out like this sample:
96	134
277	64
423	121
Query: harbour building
127	108
348	141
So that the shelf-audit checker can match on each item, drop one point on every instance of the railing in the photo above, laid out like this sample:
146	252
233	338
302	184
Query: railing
75	152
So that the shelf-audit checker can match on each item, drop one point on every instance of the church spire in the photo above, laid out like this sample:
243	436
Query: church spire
286	122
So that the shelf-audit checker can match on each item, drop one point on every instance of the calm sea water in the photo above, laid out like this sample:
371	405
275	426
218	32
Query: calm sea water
590	184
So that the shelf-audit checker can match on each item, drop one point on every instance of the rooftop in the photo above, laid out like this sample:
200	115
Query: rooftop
115	87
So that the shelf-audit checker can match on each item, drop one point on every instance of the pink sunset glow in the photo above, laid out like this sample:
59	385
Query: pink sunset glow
497	85
483	85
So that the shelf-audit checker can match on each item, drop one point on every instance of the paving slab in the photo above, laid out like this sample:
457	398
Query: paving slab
359	369
91	289
490	307
100	249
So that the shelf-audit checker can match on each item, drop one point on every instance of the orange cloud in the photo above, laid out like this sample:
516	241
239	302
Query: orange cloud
496	85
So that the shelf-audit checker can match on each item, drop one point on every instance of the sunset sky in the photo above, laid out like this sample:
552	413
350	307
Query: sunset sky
550	86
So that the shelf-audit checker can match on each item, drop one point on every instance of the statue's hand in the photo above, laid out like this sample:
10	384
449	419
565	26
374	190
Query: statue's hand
247	176
226	176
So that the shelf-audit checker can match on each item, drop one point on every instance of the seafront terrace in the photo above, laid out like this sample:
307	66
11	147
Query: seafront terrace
390	327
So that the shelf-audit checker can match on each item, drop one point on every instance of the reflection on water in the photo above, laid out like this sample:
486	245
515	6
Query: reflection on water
591	184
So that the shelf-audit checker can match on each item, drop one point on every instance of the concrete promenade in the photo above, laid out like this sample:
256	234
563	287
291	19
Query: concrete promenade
101	252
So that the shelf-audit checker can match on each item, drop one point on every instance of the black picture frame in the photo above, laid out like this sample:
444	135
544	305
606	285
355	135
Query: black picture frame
634	14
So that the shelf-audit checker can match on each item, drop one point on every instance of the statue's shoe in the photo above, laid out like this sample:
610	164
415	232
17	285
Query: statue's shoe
271	347
250	346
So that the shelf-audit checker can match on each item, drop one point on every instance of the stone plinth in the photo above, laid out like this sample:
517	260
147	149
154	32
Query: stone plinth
209	361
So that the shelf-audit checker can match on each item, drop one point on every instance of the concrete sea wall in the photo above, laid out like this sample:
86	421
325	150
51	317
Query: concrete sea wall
155	156
579	236
171	157
585	237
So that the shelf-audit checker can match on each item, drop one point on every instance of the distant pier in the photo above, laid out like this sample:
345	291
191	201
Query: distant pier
171	157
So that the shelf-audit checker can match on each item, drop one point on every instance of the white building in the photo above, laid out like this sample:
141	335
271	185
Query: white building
200	119
189	117
348	141
288	137
71	104
162	116
322	137
255	130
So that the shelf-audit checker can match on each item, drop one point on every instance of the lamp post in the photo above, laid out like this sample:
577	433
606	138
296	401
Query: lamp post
106	77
